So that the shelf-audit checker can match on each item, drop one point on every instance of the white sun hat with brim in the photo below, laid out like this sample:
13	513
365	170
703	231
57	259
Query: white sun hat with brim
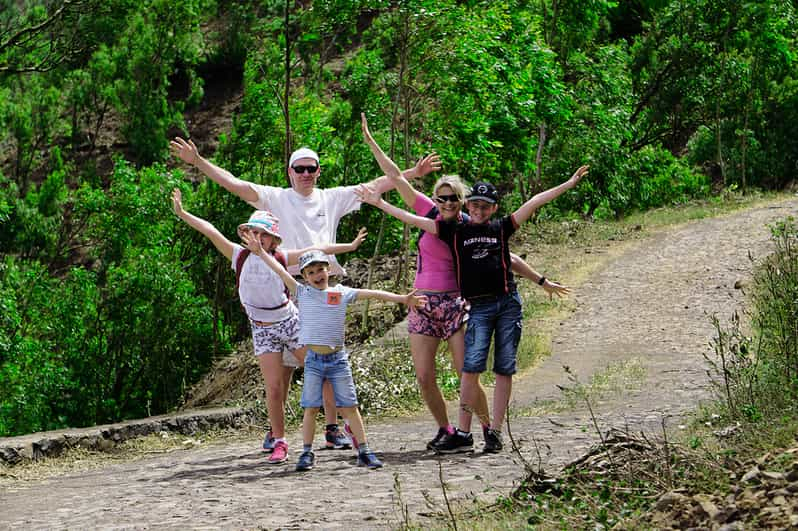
303	153
264	221
314	256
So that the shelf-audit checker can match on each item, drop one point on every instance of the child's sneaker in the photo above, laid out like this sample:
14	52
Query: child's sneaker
493	441
268	442
454	443
306	461
337	439
351	435
436	439
368	459
279	453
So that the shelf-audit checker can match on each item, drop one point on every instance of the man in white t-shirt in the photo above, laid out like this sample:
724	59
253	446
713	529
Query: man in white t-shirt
308	215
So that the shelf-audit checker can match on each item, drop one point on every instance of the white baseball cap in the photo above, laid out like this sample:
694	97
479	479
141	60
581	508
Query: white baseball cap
303	153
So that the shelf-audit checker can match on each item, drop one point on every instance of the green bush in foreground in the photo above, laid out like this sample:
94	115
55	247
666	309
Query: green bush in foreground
756	374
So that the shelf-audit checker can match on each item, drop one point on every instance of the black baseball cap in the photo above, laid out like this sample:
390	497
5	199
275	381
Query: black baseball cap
483	191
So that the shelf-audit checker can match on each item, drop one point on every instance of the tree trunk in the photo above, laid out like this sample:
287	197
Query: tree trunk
537	185
403	99
365	315
287	84
719	143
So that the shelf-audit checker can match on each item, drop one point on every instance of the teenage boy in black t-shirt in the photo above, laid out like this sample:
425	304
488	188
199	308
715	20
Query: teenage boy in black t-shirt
482	258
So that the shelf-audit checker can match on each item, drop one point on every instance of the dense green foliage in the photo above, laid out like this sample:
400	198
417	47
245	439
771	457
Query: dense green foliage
111	307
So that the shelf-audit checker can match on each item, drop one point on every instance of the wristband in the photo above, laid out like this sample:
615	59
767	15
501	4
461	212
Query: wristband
541	281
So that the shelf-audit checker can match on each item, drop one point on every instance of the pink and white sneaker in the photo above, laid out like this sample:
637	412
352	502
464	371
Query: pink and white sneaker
279	454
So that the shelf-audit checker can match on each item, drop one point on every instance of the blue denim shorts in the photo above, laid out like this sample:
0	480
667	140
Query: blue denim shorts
500	316
334	367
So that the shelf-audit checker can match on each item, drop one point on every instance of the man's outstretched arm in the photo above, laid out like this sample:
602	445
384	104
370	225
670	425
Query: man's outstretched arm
186	151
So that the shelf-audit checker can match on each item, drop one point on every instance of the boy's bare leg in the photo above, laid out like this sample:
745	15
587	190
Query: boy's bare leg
272	371
309	425
480	408
328	397
469	383
423	349
352	414
501	399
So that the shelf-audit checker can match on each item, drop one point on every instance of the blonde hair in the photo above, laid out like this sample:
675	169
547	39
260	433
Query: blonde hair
453	182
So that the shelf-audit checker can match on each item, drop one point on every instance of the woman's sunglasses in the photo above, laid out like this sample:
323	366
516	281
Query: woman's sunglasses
305	169
450	198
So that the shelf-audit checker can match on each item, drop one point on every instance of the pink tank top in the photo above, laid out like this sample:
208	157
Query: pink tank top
435	265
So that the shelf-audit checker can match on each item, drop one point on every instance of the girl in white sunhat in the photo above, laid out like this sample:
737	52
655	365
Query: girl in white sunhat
273	316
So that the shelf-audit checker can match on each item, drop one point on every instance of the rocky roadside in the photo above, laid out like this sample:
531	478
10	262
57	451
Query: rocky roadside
14	450
763	495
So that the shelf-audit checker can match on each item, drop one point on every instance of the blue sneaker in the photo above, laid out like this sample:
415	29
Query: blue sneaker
306	461
268	442
368	459
335	438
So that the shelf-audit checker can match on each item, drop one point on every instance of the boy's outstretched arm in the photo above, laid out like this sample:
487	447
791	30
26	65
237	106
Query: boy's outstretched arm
411	300
526	210
292	255
521	268
252	242
369	195
393	177
186	151
205	228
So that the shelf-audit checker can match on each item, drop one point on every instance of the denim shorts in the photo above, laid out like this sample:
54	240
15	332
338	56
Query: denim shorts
500	316
334	367
442	316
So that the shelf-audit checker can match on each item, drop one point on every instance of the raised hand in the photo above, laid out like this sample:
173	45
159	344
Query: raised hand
361	236
251	241
388	166
426	164
185	150
577	176
368	194
364	125
177	202
553	288
415	301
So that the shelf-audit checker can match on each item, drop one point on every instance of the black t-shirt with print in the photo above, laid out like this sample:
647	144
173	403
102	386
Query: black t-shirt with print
481	255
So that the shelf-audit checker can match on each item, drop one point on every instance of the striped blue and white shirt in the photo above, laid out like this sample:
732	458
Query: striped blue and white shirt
322	314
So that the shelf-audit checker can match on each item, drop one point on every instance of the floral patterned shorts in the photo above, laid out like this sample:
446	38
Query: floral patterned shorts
282	337
443	315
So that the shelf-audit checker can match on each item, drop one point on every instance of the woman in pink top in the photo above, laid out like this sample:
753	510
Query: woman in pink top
446	313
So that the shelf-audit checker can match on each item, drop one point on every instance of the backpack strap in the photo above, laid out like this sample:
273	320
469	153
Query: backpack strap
242	257
432	214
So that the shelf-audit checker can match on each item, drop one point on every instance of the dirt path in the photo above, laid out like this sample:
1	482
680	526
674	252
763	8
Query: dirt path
650	306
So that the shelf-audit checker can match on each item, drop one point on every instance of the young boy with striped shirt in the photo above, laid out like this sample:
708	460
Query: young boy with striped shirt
322	322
